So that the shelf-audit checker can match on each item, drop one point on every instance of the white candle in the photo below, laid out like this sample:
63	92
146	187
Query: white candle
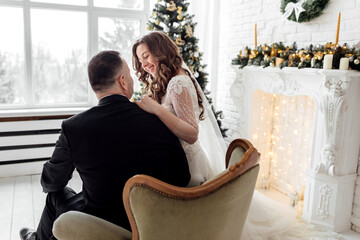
245	53
344	64
313	62
328	59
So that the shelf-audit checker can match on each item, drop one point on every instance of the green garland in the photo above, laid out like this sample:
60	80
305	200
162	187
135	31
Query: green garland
313	9
279	55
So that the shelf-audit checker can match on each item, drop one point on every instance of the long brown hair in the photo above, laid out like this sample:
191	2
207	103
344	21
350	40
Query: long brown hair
169	59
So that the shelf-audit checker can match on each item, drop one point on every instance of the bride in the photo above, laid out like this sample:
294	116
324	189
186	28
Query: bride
178	101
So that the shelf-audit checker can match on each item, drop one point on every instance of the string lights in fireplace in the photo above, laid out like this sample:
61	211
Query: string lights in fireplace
282	129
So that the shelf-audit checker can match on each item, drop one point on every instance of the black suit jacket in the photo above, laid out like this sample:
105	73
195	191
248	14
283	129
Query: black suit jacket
108	144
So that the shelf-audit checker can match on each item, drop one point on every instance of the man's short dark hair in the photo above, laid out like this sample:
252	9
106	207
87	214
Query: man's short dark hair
103	69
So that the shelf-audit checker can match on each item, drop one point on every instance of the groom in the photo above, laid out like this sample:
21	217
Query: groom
107	145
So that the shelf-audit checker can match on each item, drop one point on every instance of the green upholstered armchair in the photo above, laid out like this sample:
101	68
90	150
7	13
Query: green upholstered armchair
157	210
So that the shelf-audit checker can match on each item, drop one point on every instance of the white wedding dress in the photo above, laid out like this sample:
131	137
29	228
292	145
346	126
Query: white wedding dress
267	219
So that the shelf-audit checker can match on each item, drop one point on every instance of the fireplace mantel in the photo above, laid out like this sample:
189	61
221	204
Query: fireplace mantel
330	178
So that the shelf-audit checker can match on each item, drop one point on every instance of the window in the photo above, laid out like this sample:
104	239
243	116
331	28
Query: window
12	63
45	46
129	4
118	34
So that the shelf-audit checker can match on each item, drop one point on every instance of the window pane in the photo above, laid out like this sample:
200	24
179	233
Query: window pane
118	34
129	4
12	64
69	2
59	54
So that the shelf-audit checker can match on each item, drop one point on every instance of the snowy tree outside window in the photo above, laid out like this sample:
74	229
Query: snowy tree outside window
45	46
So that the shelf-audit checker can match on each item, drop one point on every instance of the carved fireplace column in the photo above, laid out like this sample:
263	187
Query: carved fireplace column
330	184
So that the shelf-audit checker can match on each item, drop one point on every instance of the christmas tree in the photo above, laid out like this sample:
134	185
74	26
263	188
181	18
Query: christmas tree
171	18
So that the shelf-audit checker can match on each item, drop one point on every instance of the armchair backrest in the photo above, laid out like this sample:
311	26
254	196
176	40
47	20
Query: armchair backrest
214	210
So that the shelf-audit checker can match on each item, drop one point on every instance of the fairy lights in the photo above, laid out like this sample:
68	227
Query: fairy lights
282	129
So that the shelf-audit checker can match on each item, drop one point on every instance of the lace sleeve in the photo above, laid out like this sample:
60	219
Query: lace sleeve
181	97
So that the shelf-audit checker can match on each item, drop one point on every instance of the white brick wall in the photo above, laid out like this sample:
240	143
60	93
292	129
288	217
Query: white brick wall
237	19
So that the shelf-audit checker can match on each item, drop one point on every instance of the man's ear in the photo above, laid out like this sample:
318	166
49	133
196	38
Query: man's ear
122	82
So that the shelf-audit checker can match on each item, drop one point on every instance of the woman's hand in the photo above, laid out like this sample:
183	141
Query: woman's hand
149	105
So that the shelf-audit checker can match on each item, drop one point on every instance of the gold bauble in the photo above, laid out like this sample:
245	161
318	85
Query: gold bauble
157	22
154	14
179	17
148	27
172	6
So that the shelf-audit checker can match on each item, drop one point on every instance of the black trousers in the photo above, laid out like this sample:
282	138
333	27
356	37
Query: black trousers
56	204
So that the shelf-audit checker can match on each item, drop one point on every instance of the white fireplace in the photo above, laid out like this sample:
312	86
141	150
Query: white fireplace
307	125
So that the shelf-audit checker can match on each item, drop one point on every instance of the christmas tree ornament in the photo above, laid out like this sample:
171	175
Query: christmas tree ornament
154	14
189	31
179	11
191	69
179	17
279	61
148	27
196	74
200	68
176	24
172	6
166	29
179	41
159	0
356	61
157	22
196	54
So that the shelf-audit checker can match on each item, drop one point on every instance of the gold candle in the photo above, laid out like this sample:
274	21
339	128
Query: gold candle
338	29
255	35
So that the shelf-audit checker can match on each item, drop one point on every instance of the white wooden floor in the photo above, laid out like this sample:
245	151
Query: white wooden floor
22	202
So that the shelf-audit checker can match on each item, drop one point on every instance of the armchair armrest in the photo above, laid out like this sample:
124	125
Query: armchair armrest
75	225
